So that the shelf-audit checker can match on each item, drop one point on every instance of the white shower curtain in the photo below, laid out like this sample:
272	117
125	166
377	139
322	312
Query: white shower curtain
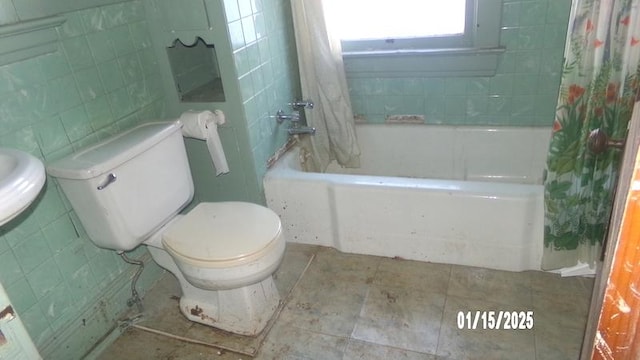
323	80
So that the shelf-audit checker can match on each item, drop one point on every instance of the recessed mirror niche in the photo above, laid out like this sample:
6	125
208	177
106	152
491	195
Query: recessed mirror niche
195	71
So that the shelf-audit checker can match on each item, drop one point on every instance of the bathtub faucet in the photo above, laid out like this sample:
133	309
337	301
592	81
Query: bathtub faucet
301	130
301	104
294	117
296	128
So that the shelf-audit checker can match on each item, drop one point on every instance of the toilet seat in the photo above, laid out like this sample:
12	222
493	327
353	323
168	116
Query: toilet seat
223	234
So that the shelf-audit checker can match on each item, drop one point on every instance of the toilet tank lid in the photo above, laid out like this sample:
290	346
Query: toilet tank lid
106	155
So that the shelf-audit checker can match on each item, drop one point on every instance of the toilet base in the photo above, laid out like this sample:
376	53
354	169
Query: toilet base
245	310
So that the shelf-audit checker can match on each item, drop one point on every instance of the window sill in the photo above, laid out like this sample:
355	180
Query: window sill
424	63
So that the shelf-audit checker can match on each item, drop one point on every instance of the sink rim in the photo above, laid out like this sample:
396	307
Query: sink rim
21	185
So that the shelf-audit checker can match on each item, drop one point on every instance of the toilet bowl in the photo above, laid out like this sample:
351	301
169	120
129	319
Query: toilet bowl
227	285
249	247
128	191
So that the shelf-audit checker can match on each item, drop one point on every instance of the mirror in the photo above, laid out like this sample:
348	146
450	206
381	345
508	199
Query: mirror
196	72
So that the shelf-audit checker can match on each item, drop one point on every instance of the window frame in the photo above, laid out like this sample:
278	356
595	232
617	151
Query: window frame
477	55
463	40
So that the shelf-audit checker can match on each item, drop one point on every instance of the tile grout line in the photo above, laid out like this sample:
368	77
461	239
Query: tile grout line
364	300
444	306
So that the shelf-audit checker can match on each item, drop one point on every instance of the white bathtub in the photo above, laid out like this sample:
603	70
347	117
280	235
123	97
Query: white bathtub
457	195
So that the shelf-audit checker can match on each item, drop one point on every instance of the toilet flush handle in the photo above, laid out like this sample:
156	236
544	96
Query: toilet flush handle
110	179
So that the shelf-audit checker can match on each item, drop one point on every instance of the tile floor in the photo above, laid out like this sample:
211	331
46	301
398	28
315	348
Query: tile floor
349	306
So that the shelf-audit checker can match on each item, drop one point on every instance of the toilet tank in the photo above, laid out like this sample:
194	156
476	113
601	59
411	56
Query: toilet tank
128	186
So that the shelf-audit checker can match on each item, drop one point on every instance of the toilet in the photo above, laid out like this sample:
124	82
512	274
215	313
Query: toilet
128	191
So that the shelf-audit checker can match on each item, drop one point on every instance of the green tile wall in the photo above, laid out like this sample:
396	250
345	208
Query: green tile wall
241	183
102	79
522	93
107	76
263	45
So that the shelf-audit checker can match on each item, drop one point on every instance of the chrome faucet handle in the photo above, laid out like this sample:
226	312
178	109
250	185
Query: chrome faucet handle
281	117
302	104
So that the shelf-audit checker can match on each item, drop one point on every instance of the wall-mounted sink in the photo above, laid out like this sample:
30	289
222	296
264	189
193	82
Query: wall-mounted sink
21	179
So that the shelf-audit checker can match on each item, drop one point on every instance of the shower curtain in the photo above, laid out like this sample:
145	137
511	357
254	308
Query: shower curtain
323	80
598	88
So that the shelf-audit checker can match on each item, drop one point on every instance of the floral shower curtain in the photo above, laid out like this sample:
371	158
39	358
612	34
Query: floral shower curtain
598	89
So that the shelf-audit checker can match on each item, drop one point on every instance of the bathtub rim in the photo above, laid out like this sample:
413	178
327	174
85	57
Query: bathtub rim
288	164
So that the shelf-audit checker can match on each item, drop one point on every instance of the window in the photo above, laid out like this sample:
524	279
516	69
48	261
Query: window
399	23
417	37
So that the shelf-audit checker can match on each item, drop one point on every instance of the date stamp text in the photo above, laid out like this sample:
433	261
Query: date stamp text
495	320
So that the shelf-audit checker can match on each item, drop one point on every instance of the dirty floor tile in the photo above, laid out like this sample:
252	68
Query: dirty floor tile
347	306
